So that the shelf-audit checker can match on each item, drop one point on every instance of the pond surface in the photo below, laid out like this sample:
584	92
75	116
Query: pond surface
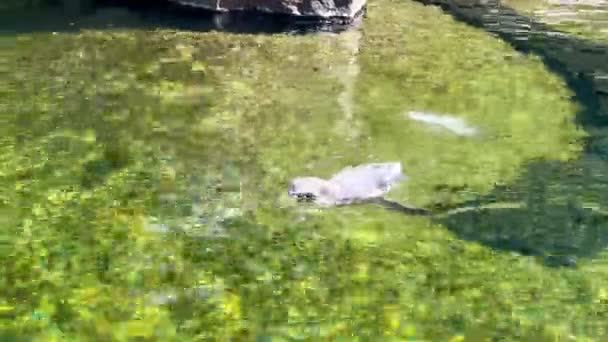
145	159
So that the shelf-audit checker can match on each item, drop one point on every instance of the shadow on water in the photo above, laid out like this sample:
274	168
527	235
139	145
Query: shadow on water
74	15
536	220
556	220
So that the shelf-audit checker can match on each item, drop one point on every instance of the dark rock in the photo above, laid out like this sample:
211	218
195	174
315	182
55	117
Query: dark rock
332	10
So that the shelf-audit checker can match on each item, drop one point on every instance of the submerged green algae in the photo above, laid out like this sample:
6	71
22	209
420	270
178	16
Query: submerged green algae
111	128
582	19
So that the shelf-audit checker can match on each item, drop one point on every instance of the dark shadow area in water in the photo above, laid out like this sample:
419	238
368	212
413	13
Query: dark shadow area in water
73	15
558	233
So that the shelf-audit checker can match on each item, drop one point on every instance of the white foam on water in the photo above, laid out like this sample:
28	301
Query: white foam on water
451	123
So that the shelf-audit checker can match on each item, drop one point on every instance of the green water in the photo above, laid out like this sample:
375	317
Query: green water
110	135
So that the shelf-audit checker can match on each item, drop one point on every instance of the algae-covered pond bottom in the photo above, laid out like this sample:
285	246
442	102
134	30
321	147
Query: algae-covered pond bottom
144	176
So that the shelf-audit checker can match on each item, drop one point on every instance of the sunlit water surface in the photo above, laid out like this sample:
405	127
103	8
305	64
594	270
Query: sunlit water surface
145	158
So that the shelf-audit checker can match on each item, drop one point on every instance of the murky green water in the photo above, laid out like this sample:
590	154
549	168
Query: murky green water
144	174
